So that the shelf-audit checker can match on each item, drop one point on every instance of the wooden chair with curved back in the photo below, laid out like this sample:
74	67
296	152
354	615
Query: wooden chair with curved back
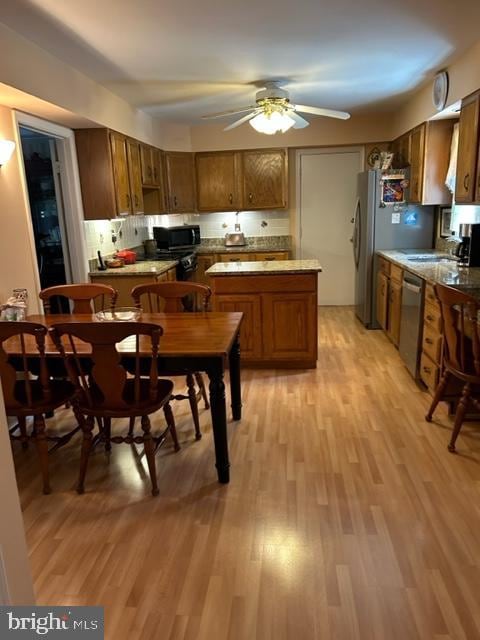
82	296
170	297
107	391
461	352
27	396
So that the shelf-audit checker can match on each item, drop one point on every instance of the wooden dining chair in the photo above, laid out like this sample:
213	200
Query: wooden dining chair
461	353
82	296
107	390
31	396
169	297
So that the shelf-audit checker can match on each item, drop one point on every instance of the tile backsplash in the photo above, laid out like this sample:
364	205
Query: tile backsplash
135	229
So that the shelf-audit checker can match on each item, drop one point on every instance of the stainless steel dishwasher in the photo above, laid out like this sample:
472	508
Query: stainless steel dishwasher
411	323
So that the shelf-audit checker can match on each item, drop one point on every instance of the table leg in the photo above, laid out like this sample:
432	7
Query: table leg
219	423
235	384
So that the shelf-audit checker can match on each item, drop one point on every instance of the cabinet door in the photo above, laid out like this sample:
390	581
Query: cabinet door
417	157
135	176
290	322
218	181
382	299
467	150
401	150
157	170
265	179
250	330
394	311
204	262
181	182
146	162
120	172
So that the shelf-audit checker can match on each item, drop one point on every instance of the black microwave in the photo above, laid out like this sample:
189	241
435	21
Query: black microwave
187	235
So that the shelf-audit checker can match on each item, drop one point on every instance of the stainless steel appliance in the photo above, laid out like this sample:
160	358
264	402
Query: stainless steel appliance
187	235
383	221
474	246
411	323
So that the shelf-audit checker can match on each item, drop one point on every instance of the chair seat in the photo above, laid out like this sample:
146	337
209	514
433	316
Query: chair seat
143	406
61	392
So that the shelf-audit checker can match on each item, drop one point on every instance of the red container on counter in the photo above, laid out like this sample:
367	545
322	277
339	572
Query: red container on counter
129	257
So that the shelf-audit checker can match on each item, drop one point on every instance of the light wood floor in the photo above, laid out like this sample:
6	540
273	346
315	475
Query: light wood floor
346	517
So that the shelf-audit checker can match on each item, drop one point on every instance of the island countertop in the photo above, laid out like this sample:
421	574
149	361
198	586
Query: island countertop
143	268
283	267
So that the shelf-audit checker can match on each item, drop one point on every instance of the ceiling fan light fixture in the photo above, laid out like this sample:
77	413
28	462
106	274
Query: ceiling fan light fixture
270	123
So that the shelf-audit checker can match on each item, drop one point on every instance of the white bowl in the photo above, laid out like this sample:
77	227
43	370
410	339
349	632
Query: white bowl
119	314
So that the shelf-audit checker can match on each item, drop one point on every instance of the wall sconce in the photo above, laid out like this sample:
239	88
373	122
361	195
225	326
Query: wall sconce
6	149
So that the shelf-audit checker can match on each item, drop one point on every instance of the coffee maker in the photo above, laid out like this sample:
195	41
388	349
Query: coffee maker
474	246
463	248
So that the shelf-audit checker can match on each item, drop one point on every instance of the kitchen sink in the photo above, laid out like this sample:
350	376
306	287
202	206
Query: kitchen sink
427	259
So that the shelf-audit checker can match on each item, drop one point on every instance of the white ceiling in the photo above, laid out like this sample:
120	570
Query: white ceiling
179	59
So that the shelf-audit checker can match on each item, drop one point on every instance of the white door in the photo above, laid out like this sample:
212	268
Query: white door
327	196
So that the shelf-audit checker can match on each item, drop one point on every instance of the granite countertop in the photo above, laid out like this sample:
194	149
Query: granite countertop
254	244
446	272
143	268
260	268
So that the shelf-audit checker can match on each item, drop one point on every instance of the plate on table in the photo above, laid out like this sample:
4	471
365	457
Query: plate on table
120	314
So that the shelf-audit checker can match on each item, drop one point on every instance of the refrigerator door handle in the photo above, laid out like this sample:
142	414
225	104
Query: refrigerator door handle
356	233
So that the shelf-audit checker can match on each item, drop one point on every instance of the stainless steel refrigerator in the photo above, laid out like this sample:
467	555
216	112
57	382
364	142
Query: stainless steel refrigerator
383	221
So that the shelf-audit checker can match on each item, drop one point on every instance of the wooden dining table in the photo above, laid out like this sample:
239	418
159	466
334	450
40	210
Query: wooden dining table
190	342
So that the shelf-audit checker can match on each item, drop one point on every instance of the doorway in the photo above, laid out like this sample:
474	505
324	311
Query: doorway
327	187
47	209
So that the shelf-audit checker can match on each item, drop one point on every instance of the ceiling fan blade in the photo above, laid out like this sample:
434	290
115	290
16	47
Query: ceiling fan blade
300	123
318	111
233	112
246	118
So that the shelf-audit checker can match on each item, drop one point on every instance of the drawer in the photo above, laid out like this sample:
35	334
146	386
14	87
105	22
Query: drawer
429	372
384	266
274	255
433	317
432	343
236	257
396	273
430	296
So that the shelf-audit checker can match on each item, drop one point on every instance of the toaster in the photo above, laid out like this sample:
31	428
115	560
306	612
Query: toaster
235	240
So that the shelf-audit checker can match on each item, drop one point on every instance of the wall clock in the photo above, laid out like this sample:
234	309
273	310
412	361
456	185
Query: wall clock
440	90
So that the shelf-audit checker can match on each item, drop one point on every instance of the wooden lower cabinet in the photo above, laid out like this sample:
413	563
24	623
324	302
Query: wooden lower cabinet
394	311
432	341
204	262
250	336
382	299
125	283
279	328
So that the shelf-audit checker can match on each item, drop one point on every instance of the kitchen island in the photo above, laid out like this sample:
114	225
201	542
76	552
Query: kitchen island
279	303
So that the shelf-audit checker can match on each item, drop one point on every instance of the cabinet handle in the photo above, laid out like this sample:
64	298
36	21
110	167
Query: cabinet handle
466	181
267	259
174	201
428	340
155	173
127	196
427	369
430	318
136	200
149	171
250	197
230	198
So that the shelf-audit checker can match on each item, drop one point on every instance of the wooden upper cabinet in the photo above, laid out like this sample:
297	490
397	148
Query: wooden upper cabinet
417	158
96	174
135	176
218	181
146	157
265	179
467	150
401	149
180	181
121	174
157	168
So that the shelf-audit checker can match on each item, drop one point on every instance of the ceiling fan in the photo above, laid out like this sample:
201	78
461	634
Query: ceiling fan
274	112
